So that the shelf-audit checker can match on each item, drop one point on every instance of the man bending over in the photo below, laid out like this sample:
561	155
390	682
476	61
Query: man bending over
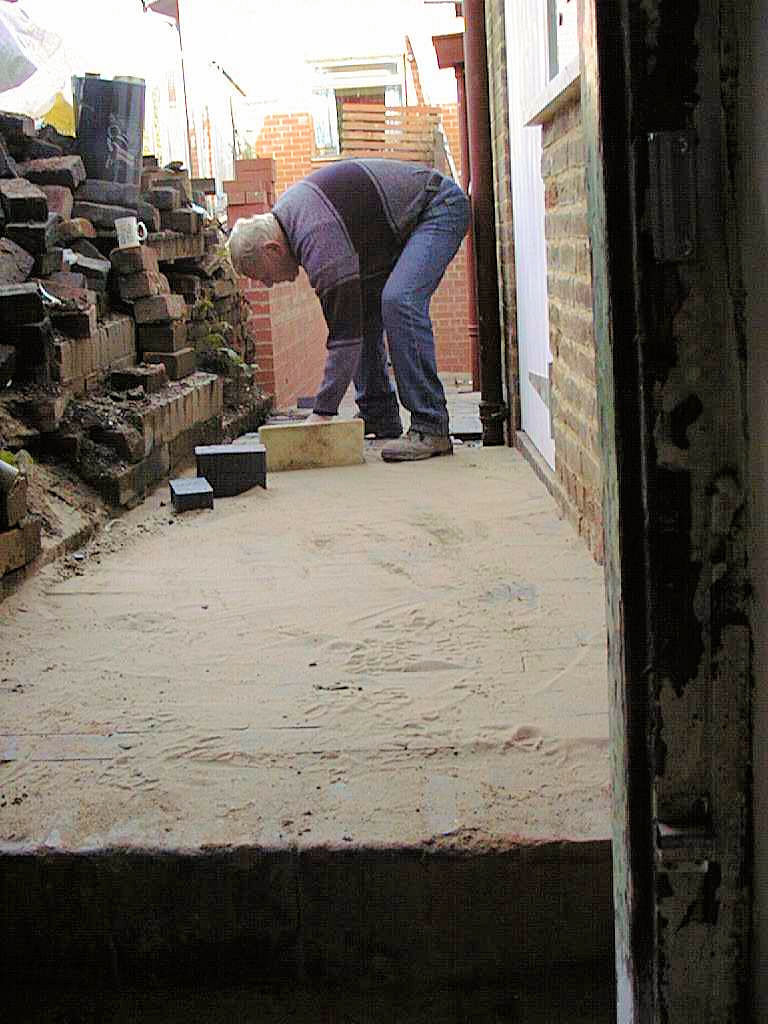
375	238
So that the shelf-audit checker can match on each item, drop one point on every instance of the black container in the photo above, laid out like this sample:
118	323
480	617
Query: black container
232	468
110	127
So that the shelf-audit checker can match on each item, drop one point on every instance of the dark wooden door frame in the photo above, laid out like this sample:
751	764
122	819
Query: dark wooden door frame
671	386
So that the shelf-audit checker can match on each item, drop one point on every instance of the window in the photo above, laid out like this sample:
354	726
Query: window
351	80
563	34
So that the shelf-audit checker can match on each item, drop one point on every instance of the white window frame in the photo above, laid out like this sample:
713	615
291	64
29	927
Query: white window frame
381	71
563	34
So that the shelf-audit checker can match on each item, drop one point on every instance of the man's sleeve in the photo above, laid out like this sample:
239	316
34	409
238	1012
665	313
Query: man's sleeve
343	310
342	307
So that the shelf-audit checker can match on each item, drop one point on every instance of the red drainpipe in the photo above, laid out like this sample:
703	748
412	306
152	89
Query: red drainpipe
450	54
492	407
465	184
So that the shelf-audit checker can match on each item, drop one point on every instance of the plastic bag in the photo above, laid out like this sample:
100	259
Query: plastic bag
33	63
15	68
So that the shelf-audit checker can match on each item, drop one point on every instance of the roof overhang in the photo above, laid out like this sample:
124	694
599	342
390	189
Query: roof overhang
449	49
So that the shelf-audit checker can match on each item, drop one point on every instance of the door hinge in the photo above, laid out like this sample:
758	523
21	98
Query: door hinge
672	194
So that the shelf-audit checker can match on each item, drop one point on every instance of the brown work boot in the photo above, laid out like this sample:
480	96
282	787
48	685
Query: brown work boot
414	446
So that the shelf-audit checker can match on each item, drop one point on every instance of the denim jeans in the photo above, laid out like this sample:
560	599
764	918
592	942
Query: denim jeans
399	306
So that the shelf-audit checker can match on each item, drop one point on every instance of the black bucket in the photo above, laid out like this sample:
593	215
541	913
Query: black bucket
110	127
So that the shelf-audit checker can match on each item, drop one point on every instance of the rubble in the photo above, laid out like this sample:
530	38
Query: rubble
115	363
68	171
15	263
22	201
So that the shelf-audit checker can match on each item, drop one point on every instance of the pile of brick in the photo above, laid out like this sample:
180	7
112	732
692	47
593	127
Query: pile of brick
94	339
20	533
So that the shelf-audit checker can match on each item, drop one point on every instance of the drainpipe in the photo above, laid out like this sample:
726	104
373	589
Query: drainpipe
474	348
450	54
492	406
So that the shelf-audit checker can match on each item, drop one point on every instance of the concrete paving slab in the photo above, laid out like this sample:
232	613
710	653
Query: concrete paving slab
290	446
400	651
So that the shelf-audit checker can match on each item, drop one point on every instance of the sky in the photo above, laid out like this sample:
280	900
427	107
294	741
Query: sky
108	37
249	38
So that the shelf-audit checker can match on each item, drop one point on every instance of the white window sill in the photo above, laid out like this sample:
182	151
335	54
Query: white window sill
564	87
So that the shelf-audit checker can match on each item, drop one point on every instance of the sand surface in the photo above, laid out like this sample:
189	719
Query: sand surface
374	654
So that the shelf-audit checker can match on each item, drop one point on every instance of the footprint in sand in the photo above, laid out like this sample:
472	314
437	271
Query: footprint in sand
526	736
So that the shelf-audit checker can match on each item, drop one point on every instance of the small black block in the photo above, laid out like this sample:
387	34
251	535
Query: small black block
232	468
305	402
188	493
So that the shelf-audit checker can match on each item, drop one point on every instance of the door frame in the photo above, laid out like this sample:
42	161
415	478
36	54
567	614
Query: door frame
668	327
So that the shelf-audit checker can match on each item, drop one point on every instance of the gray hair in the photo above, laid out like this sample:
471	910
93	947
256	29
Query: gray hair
249	236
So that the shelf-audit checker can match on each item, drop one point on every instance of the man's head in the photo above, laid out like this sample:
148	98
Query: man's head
259	249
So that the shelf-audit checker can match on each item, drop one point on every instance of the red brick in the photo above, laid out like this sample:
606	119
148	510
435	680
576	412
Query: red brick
21	545
177	364
13	503
134	260
59	200
23	201
160	308
167	337
60	170
142	285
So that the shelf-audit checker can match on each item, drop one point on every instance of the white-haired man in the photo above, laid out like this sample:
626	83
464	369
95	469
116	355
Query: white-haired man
375	238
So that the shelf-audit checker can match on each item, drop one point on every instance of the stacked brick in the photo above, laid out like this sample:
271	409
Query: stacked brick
20	532
254	187
290	140
93	337
158	313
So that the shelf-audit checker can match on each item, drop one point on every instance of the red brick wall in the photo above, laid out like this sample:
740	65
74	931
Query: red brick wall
450	113
290	140
298	341
288	331
260	329
450	314
450	318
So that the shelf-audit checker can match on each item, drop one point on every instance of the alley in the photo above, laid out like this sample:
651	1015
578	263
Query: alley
369	655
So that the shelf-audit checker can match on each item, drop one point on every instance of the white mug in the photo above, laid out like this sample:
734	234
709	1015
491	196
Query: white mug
130	232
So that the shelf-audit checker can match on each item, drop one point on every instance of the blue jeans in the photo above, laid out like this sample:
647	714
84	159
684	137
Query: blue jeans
399	305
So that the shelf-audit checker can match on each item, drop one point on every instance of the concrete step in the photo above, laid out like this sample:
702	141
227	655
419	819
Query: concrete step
561	996
442	913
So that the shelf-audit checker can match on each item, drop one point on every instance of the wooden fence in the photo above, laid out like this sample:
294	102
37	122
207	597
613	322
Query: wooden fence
398	133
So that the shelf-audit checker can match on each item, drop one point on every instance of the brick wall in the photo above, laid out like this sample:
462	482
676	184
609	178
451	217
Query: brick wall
288	331
569	283
450	116
449	311
505	229
289	139
298	340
